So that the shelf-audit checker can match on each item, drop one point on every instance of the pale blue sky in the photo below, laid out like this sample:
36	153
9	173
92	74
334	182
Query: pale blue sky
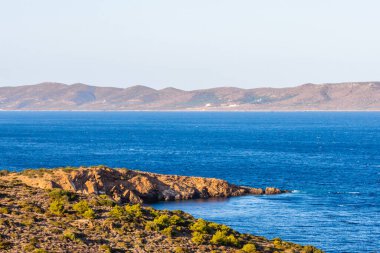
189	44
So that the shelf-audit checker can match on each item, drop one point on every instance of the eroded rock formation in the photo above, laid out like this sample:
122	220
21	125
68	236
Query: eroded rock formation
129	186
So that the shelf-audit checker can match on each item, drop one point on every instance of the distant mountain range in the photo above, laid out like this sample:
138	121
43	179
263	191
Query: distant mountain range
57	96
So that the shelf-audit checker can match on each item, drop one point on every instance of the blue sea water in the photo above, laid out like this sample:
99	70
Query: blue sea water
331	160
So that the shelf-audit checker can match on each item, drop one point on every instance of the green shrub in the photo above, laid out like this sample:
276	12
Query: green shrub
28	221
4	210
40	251
134	210
81	207
59	194
153	212
200	226
104	200
224	228
31	207
29	247
57	207
168	232
70	235
249	248
176	220
151	226
180	250
198	237
105	248
162	221
277	242
69	169
117	212
89	214
232	241
213	225
221	238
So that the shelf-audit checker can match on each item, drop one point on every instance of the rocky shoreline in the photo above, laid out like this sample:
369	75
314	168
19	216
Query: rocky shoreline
130	186
85	210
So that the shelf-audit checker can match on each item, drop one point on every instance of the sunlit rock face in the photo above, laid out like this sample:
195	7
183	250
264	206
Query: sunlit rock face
129	186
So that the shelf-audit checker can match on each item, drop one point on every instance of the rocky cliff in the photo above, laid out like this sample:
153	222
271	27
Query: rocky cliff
129	186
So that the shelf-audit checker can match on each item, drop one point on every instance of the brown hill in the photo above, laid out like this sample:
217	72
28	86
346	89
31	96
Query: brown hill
57	96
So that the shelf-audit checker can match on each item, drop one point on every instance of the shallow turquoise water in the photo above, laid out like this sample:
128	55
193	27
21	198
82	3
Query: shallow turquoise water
332	160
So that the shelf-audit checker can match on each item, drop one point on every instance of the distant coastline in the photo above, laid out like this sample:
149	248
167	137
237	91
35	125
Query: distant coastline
189	111
360	96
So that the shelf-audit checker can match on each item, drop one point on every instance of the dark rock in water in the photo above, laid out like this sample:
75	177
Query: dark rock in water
272	190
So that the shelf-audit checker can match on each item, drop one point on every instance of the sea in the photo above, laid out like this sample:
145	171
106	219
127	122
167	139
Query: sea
330	161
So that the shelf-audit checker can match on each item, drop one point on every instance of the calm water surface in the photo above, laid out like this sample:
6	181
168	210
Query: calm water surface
331	160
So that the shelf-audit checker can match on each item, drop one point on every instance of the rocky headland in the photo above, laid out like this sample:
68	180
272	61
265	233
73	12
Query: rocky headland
130	186
91	210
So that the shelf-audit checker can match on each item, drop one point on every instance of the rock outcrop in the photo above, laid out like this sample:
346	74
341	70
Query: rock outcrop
129	186
37	220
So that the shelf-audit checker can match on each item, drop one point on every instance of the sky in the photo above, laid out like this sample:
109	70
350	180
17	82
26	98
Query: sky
191	44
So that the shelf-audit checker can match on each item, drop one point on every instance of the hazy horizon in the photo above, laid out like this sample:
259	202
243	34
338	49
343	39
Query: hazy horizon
189	44
165	87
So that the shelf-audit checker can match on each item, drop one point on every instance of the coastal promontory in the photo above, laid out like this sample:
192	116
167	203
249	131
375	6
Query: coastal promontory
99	209
131	186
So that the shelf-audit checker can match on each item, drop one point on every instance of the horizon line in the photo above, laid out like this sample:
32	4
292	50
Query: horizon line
171	87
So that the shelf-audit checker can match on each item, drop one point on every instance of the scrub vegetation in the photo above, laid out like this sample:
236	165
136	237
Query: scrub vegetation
38	220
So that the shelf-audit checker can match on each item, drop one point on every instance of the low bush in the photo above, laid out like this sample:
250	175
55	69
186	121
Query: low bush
68	169
59	194
200	226
134	211
153	212
198	238
31	207
221	238
4	210
104	200
57	207
70	235
168	232
277	242
180	250
151	226
117	212
249	248
28	222
105	248
81	207
89	214
40	251
224	228
162	221
176	220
